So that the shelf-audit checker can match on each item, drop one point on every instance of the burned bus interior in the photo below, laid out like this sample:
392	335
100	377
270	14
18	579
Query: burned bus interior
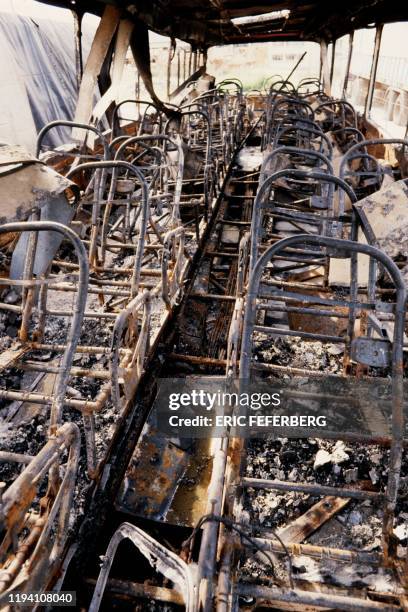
238	213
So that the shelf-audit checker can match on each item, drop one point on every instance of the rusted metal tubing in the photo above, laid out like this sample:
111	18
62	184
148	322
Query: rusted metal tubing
276	331
330	601
351	248
271	367
212	296
236	223
234	196
311	153
316	299
77	312
28	283
311	489
312	132
91	290
112	270
166	562
343	105
266	187
92	350
82	126
20	494
173	242
297	259
11	307
116	118
207	161
220	254
108	281
115	164
88	314
210	529
15	457
32	366
366	143
173	142
224	583
317	312
27	294
352	153
322	552
206	361
133	590
133	362
62	505
19	558
40	398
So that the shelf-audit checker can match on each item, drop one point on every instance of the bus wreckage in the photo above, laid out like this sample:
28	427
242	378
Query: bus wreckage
213	229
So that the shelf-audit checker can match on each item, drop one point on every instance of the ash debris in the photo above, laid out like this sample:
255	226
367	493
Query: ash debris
23	426
357	526
296	353
337	464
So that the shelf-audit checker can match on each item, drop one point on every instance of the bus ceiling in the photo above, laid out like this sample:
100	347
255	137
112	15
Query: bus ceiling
205	23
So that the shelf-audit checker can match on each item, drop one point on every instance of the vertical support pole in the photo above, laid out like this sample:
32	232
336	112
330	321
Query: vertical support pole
320	66
324	67
139	95
190	59
178	68
347	73
332	63
98	61
138	92
79	64
373	72
169	67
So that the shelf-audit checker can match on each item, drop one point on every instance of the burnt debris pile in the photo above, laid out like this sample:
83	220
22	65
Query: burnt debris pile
246	236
